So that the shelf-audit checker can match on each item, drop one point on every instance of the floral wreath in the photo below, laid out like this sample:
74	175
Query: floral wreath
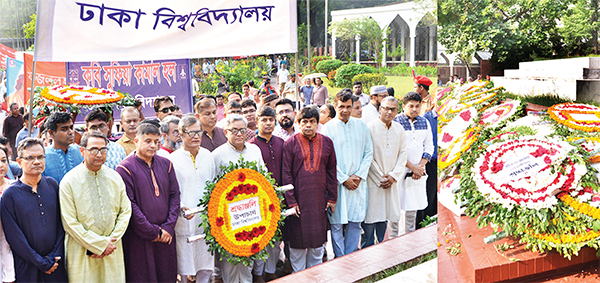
73	99
463	143
577	116
242	212
496	115
527	172
456	127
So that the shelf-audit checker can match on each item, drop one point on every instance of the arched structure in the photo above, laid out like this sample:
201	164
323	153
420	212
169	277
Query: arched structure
412	27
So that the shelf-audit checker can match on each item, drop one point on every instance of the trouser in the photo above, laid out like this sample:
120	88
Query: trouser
343	245
271	263
281	88
235	273
370	229
405	225
306	258
431	209
202	276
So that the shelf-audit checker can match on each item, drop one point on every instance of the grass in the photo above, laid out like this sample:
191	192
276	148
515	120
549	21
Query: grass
401	267
401	86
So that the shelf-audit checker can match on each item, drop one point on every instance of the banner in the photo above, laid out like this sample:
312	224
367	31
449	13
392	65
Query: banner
15	82
46	73
94	30
5	52
144	80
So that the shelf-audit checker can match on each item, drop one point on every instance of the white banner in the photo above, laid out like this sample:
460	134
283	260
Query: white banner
244	213
95	30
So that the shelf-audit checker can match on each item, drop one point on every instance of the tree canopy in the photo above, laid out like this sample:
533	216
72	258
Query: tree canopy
515	30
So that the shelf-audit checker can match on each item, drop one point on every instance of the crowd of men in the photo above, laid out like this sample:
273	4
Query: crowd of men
106	211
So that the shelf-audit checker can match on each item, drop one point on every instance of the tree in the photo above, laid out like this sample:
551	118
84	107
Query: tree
580	28
369	31
29	28
513	30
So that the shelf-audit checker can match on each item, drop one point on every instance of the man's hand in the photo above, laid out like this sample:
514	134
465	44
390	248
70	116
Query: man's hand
297	211
387	182
185	208
54	267
111	247
166	237
332	205
350	185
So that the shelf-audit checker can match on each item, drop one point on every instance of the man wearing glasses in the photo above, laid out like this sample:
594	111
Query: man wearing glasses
31	219
170	136
389	160
95	213
193	166
62	155
249	111
97	121
371	110
235	130
163	107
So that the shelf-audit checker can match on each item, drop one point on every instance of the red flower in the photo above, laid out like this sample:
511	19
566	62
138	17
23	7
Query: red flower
255	248
271	208
262	229
446	137
242	177
466	115
499	112
497	166
547	160
220	221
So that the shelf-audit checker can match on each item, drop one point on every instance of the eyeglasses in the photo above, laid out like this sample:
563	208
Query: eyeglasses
98	127
286	111
175	133
167	109
193	134
393	109
32	158
238	131
94	151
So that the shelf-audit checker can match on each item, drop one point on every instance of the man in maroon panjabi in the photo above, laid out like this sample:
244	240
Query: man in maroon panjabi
151	183
309	163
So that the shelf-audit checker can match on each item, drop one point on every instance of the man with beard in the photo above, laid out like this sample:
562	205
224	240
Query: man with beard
358	91
152	187
271	148
130	118
220	107
31	219
309	163
371	110
170	135
62	155
193	166
97	121
212	136
286	115
354	154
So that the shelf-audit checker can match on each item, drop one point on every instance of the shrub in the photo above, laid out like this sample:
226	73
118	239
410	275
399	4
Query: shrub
331	77
345	73
326	66
369	80
315	60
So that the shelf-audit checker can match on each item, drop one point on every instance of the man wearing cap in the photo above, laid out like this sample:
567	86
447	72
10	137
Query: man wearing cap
422	84
421	87
371	110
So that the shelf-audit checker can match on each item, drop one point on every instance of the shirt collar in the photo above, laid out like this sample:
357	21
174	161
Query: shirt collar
234	149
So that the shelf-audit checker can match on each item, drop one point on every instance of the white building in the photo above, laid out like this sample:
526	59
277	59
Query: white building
412	24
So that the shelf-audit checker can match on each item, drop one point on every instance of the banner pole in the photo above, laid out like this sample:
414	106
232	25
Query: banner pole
30	121
297	81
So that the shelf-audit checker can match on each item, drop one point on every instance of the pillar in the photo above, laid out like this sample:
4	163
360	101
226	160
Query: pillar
432	42
384	51
413	45
357	49
403	42
333	53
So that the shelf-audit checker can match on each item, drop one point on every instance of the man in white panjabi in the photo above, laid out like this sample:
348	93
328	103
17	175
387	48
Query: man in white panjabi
419	144
194	166
95	213
387	168
235	130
